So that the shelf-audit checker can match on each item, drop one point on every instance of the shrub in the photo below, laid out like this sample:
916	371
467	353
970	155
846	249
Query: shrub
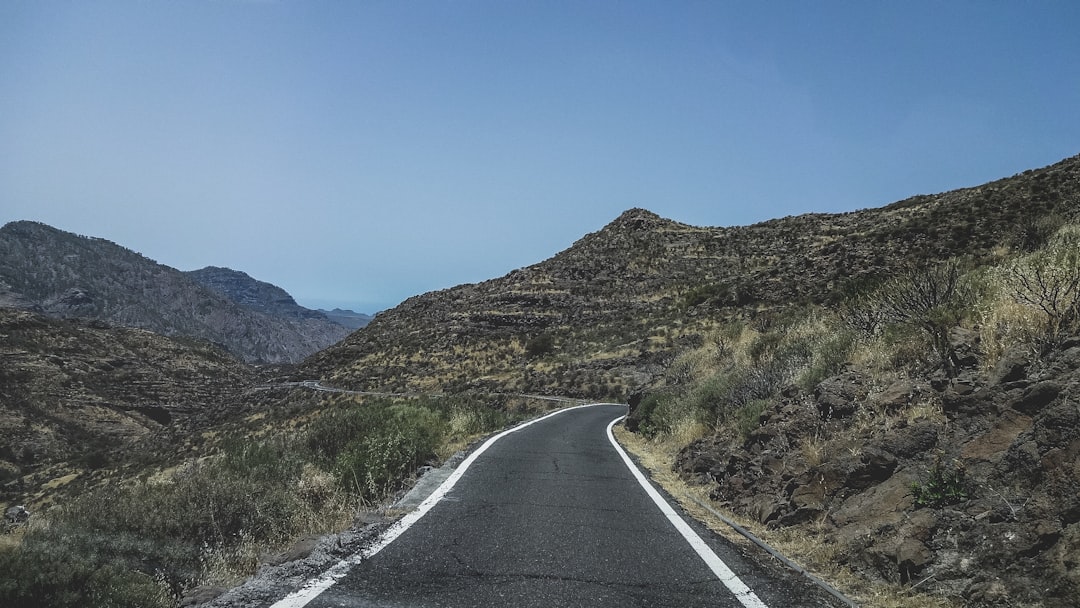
373	447
942	486
652	415
46	575
134	543
540	345
1048	281
933	301
746	417
377	464
829	354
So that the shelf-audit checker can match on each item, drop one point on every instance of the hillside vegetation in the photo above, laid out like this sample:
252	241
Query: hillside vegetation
77	396
920	432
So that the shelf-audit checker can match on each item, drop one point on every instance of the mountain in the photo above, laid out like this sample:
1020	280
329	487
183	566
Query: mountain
69	276
347	318
84	392
251	293
601	318
890	392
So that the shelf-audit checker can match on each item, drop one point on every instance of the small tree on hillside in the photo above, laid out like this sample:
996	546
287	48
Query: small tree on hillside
1049	281
540	345
931	300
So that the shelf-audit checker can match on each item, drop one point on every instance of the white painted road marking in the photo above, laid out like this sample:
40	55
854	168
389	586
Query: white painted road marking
303	596
734	584
313	588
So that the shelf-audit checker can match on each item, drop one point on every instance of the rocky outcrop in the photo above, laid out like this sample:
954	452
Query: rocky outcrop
983	503
70	276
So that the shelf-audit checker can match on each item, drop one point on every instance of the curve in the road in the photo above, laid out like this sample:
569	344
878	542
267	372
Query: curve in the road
303	596
741	592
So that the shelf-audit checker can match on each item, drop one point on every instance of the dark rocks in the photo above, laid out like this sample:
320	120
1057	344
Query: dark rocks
964	349
633	419
1012	366
839	396
913	440
1037	396
899	395
873	466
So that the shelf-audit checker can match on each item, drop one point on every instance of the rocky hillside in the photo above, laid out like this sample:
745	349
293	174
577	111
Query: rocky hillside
979	499
86	393
251	293
600	318
70	276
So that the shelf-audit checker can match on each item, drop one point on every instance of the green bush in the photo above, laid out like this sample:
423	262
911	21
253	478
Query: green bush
373	447
134	543
827	358
943	485
539	346
142	542
46	575
1049	281
746	417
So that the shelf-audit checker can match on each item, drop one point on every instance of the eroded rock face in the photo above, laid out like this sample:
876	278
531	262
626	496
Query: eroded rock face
1011	536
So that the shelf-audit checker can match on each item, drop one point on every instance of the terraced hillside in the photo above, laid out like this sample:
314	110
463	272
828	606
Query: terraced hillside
86	394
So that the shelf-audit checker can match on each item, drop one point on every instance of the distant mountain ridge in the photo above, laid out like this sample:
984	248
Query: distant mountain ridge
348	318
70	276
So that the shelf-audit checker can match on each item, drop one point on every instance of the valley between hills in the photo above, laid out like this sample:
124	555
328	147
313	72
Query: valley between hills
889	395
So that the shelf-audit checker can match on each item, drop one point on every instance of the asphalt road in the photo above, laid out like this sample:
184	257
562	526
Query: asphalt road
551	515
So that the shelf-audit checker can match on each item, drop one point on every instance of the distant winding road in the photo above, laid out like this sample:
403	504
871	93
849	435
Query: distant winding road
552	514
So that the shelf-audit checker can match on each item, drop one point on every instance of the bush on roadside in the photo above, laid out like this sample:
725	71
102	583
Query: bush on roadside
141	542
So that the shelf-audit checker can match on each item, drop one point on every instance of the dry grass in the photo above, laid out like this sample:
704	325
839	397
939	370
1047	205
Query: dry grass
815	450
1003	322
807	545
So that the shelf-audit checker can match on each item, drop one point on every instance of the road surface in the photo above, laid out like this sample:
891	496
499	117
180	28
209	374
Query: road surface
553	515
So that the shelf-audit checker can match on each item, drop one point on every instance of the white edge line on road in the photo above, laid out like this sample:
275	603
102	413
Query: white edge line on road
311	589
734	584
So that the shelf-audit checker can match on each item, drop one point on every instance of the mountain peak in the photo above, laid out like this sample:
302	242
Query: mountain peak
637	219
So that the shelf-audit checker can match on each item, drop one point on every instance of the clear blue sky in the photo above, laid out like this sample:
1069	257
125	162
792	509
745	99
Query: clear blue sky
360	152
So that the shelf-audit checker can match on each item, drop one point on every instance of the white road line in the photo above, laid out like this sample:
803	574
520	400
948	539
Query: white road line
734	584
304	595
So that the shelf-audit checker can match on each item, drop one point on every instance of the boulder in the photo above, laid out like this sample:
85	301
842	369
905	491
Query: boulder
839	396
1037	396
